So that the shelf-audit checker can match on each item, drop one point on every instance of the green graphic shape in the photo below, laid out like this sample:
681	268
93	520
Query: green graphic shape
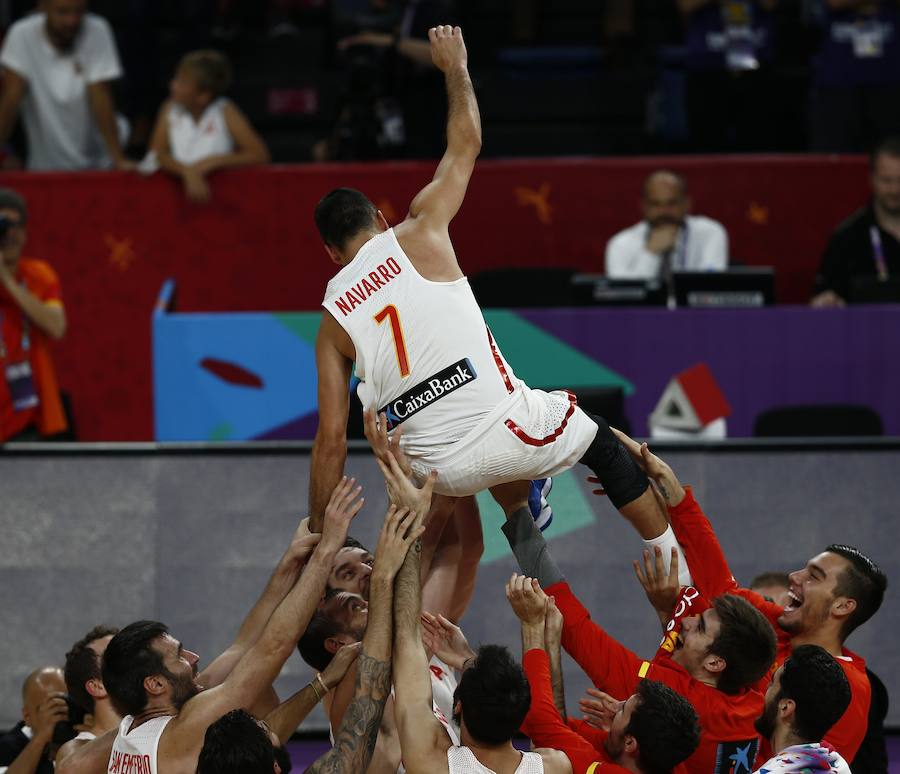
221	432
571	511
304	325
540	359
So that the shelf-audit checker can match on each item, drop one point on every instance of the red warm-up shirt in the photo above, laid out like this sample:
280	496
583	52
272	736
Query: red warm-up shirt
546	728
713	577
728	739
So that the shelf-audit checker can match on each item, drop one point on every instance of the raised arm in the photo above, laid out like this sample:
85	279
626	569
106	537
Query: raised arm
333	364
357	734
263	661
439	201
422	738
49	315
280	583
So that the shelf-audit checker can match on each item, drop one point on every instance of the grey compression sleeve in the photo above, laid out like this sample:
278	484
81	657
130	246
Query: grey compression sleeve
530	548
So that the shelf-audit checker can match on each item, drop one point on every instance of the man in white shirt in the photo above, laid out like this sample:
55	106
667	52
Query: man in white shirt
667	239
807	696
57	68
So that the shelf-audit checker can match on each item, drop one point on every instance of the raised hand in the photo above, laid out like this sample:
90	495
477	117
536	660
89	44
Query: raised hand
403	492
599	708
338	666
401	529
446	640
527	599
553	623
339	512
384	445
661	588
49	712
448	50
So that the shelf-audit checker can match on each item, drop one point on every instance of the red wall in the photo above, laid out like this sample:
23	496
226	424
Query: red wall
115	237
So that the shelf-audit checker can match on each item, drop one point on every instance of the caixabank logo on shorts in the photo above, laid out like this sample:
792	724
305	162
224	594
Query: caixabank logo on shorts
428	391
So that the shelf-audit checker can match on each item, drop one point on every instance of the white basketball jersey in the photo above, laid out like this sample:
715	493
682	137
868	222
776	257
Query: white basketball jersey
134	751
461	760
424	354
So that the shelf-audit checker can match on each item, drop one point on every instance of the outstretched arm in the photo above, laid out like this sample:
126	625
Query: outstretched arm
358	731
280	583
263	661
333	364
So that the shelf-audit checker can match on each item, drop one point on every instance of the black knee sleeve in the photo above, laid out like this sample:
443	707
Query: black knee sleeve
619	474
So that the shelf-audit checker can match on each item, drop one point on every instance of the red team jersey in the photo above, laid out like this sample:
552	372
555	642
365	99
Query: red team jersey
729	743
546	728
713	577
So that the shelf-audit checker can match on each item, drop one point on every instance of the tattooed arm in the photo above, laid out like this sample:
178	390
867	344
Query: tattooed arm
358	731
423	739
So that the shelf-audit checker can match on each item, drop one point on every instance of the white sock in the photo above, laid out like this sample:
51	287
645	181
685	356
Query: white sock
665	542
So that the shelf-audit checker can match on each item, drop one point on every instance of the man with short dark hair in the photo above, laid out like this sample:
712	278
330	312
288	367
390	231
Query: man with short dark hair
772	585
652	730
401	312
668	238
837	591
865	248
58	65
808	694
31	314
84	684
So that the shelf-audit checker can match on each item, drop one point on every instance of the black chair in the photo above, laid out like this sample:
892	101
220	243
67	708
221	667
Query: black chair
527	286
818	420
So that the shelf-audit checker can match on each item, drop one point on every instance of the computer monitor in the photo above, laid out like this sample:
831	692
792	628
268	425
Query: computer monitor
739	287
598	289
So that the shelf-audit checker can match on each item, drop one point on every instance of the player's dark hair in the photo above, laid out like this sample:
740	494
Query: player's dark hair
665	726
128	660
342	214
745	640
862	581
352	542
83	664
236	743
815	682
889	146
494	695
311	644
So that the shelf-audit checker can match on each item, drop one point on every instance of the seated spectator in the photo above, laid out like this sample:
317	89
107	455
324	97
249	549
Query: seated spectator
198	130
867	244
57	67
856	76
31	313
807	696
43	706
667	239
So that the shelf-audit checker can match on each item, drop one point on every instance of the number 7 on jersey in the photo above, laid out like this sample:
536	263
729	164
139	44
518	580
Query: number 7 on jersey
390	312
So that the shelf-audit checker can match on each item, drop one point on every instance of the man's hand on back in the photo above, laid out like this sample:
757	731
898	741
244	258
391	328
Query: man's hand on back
448	50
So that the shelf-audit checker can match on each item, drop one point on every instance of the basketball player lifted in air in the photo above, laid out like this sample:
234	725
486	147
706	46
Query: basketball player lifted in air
402	310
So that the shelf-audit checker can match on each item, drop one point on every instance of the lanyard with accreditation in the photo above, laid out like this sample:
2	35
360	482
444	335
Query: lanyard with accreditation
878	253
19	379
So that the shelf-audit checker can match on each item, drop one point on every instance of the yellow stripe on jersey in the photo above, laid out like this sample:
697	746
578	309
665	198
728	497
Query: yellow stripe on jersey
645	667
593	767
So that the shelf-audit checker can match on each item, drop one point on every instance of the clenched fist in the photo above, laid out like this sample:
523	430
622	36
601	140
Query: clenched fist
448	50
